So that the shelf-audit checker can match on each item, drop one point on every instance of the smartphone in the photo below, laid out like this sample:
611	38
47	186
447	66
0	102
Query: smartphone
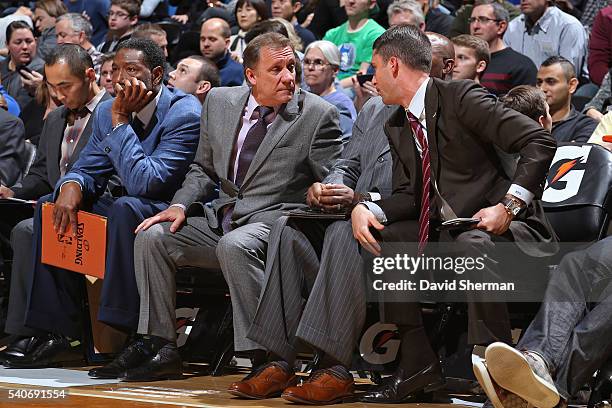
363	78
22	68
458	223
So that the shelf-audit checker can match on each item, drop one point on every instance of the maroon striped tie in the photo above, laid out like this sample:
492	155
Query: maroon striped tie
426	172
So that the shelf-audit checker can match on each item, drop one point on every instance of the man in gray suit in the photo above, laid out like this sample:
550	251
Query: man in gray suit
262	146
318	262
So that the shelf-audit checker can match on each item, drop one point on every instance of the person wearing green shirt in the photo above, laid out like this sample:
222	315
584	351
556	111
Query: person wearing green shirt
354	39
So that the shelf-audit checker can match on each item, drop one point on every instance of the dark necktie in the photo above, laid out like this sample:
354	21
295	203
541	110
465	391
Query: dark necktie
426	178
252	141
138	127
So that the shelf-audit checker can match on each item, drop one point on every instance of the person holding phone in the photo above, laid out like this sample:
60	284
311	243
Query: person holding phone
321	64
21	75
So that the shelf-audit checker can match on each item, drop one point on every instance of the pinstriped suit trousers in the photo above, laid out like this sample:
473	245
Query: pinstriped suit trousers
311	293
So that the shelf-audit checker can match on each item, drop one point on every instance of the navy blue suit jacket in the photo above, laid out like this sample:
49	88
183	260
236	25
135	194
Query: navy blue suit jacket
153	167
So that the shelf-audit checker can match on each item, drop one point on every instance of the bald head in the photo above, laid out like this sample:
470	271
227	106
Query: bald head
214	38
442	56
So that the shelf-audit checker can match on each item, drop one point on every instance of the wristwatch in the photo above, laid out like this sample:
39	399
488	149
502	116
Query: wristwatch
512	205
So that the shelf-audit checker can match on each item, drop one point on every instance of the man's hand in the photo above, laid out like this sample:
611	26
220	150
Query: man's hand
595	114
335	197
313	194
180	18
6	192
66	207
131	96
362	219
174	214
495	220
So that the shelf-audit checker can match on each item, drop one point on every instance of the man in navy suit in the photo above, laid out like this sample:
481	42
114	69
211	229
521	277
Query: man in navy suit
139	151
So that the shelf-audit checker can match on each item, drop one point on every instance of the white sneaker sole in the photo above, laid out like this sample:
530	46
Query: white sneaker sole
485	381
511	371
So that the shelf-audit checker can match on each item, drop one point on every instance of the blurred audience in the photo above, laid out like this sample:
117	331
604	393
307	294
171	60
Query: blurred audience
122	19
471	57
195	75
214	44
73	28
247	13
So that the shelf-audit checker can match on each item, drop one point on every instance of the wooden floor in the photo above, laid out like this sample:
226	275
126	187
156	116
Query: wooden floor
195	391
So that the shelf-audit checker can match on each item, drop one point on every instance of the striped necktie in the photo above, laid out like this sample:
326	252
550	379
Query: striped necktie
417	128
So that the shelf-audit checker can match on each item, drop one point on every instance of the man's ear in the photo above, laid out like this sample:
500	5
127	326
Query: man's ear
481	66
133	21
502	27
90	74
82	37
297	7
157	76
249	74
573	85
541	120
449	65
203	88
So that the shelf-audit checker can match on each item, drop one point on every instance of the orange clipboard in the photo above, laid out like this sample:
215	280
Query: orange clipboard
84	252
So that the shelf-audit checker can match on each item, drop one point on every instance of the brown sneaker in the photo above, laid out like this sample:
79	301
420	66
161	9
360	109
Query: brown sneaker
328	386
267	381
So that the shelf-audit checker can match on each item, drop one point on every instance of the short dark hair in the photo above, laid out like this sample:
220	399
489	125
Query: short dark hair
266	26
106	57
73	55
132	7
526	99
406	42
208	71
480	46
250	56
17	25
153	55
259	6
568	68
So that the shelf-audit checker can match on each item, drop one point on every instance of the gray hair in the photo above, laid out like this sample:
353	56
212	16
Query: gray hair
78	23
328	49
499	11
401	6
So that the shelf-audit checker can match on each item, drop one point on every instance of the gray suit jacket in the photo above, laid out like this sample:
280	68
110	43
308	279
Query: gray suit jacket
299	148
366	163
12	148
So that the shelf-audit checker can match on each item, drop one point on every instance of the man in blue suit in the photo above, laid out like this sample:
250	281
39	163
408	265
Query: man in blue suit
137	156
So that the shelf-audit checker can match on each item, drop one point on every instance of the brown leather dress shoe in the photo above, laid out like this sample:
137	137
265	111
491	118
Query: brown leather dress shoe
267	381
322	388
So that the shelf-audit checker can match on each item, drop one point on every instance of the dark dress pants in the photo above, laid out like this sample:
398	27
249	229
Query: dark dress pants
56	295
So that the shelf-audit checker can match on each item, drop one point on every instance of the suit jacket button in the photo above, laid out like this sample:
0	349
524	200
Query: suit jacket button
107	149
381	159
240	196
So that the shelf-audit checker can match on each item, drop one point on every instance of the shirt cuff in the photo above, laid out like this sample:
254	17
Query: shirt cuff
179	206
375	196
376	210
521	193
70	181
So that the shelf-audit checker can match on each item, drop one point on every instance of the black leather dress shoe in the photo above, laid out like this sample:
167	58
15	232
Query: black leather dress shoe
54	351
135	354
166	364
20	347
602	386
402	387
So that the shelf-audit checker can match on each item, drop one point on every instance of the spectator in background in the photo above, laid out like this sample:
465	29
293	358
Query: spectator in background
10	104
461	24
600	46
13	155
247	13
195	75
214	44
471	57
406	12
437	18
296	41
442	56
531	102
154	33
544	31
321	64
354	39
106	73
97	14
22	14
600	102
188	11
287	9
507	67
46	13
153	10
122	18
20	75
73	28
557	79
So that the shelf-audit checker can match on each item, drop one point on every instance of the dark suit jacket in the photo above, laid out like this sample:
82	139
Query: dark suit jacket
45	171
464	124
12	148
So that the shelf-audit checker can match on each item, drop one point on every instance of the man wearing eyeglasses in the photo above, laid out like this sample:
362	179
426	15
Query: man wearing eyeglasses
122	18
507	68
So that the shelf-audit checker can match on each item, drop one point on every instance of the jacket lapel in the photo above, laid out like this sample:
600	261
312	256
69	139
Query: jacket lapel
54	144
277	130
431	121
86	133
232	113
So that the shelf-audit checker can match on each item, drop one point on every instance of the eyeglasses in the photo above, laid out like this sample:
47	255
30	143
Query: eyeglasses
482	20
118	14
316	64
